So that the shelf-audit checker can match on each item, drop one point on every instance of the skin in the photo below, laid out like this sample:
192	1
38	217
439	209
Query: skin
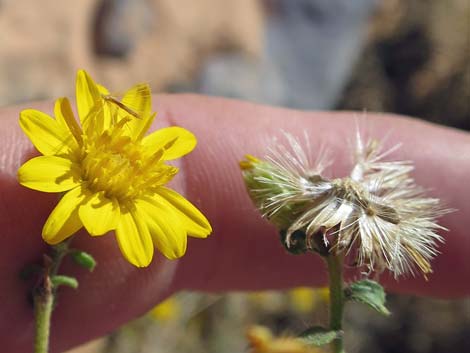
243	252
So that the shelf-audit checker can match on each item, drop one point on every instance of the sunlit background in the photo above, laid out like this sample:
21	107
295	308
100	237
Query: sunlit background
405	56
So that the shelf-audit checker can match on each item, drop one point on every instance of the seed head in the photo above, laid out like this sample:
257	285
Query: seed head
377	216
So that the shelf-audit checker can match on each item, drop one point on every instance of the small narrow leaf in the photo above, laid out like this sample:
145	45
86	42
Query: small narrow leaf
84	259
368	292
60	280
319	336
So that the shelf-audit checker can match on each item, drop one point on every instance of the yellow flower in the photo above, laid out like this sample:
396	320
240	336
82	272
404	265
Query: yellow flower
262	341
111	176
305	300
167	310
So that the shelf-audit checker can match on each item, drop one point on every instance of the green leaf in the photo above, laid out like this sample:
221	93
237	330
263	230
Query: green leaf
367	292
319	336
84	259
68	281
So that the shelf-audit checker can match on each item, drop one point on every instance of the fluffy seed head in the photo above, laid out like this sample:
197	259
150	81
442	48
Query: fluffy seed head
376	216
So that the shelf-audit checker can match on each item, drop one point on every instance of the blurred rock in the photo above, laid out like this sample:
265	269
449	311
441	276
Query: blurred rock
239	76
417	325
119	24
119	42
183	34
416	62
42	44
310	49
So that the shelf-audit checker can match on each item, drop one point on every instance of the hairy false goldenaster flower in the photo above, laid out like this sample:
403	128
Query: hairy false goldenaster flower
377	214
112	176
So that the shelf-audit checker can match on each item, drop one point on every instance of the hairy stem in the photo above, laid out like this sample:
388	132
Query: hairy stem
44	296
43	303
335	271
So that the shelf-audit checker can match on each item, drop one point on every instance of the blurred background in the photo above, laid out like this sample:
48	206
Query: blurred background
404	56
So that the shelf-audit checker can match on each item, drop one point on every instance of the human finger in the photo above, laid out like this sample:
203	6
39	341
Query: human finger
242	252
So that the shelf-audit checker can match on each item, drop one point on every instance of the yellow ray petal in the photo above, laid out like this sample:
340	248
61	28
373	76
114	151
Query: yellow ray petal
87	94
134	239
168	310
138	100
135	107
47	135
167	232
64	220
64	115
303	299
49	174
102	89
138	127
99	214
175	140
197	224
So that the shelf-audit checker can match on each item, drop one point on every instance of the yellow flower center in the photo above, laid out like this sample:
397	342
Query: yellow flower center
121	167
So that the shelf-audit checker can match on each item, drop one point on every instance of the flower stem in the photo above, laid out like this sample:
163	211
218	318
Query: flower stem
43	303
335	271
44	296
